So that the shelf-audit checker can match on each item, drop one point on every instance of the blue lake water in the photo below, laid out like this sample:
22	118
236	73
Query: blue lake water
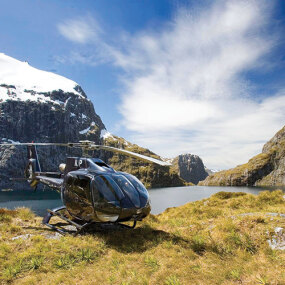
161	198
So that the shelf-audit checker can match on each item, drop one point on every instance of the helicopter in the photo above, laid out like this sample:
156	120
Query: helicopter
92	192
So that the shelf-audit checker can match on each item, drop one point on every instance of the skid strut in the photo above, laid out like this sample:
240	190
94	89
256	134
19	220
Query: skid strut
80	228
57	212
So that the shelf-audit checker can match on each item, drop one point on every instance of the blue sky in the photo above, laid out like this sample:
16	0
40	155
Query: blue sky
204	77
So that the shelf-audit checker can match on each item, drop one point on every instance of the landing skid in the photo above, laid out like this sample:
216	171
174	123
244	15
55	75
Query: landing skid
86	227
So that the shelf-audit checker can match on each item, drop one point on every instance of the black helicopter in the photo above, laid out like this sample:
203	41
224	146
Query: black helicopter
92	192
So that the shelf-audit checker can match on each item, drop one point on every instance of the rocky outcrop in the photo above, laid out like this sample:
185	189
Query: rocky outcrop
64	117
190	167
265	169
24	121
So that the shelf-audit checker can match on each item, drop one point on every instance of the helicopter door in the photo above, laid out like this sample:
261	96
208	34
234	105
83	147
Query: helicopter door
77	196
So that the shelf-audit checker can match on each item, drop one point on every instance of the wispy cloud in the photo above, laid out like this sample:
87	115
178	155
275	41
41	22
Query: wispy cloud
185	88
80	30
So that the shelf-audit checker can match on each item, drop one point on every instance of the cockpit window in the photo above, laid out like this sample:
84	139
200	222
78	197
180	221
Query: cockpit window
140	187
108	190
128	188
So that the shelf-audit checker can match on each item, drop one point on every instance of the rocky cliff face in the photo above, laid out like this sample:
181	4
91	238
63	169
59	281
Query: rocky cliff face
265	169
190	168
40	106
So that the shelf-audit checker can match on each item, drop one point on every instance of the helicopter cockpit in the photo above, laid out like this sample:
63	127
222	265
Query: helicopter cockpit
119	189
120	193
111	194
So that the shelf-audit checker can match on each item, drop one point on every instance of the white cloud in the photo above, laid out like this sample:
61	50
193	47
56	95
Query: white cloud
187	93
80	30
185	88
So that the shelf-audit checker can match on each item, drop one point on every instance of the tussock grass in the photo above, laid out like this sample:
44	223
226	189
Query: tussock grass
220	240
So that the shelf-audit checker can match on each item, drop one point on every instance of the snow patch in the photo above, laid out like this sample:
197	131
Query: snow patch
87	129
10	141
105	134
84	131
66	102
18	94
23	76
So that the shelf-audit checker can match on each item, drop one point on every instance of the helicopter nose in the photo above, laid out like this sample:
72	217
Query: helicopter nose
134	213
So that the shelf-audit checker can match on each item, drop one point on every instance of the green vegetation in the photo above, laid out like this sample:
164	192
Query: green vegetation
220	240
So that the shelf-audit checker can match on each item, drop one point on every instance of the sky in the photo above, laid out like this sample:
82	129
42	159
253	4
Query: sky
200	77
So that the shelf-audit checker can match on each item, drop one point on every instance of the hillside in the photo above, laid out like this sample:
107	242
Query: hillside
230	238
265	169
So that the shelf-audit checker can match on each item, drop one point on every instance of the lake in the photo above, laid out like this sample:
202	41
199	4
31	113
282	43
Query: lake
161	198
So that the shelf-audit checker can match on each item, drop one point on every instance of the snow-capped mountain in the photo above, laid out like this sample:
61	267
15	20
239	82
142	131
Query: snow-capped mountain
41	106
23	78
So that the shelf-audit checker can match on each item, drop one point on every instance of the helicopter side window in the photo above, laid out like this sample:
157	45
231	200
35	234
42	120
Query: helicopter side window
107	189
69	180
80	184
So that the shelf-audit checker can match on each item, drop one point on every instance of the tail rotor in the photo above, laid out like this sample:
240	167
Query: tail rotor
33	166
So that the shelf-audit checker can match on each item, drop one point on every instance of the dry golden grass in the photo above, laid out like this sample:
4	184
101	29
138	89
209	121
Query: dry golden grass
205	242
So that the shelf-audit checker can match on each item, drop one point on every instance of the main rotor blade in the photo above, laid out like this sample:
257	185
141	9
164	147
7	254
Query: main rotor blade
88	145
133	154
44	144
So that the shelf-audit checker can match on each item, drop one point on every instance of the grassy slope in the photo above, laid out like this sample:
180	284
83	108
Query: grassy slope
264	169
244	174
205	242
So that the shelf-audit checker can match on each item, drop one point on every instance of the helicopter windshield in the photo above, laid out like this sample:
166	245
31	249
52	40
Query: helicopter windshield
108	190
128	188
140	187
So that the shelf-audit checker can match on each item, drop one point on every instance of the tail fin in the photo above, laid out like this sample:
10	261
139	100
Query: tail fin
32	166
